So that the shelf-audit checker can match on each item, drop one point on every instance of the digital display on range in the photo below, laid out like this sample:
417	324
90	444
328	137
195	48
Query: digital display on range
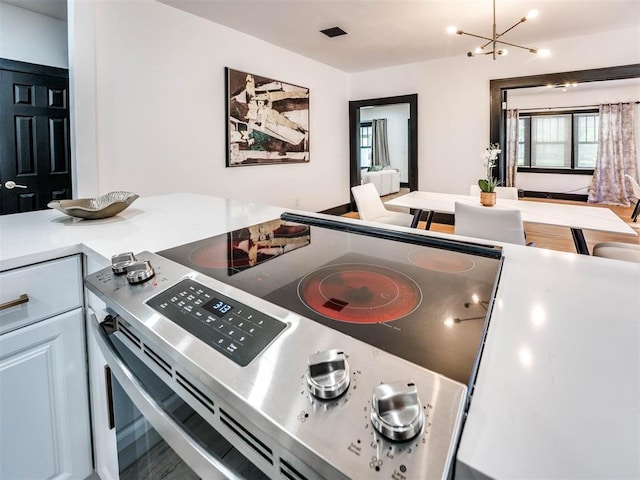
218	307
236	330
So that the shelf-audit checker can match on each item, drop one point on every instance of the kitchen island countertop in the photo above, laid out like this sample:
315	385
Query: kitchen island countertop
150	223
558	388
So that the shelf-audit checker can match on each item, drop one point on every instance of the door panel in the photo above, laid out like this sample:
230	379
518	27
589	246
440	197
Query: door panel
44	404
59	146
34	139
24	141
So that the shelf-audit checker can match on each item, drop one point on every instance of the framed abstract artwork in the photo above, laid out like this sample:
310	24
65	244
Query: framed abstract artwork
267	120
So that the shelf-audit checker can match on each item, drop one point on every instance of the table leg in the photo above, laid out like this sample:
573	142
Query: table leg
578	239
429	220
416	218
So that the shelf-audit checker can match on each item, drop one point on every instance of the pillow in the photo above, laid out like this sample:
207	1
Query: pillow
375	168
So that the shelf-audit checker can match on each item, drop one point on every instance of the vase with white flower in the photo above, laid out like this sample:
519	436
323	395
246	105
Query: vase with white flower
489	183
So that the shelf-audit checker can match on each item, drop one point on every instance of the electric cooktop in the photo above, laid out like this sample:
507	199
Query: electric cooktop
427	304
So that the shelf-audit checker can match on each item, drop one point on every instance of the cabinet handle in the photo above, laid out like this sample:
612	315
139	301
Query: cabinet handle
111	419
24	298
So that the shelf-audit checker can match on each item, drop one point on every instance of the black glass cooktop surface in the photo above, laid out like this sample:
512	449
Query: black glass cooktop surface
425	304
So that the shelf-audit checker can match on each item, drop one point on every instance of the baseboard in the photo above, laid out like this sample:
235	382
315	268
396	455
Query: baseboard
556	195
338	211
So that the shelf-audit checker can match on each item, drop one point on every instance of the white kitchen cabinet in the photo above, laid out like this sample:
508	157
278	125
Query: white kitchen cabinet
44	408
51	288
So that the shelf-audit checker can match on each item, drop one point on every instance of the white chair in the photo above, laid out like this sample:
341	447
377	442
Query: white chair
510	193
489	223
636	193
618	251
371	208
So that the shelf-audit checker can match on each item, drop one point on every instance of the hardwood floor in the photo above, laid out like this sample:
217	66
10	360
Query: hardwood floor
549	236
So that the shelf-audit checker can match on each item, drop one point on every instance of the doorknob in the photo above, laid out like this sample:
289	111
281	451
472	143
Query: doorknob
10	184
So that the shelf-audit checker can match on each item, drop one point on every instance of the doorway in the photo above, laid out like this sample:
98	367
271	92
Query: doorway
355	154
499	89
35	157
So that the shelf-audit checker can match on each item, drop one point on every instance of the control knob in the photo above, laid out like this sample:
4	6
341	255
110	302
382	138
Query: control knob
120	262
139	271
396	411
328	374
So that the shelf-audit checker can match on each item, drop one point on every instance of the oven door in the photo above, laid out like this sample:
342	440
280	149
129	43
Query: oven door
158	434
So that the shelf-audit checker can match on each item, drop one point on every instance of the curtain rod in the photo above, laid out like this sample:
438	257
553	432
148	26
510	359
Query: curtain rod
539	109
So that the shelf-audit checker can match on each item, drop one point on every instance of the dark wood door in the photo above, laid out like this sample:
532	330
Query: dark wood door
35	157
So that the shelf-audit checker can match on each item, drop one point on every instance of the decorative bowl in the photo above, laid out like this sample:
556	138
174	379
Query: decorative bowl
104	206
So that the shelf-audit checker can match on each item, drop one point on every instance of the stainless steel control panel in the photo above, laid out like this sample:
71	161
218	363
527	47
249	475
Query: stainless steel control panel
316	402
236	330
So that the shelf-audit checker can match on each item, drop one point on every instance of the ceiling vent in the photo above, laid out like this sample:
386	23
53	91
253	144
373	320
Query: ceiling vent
333	32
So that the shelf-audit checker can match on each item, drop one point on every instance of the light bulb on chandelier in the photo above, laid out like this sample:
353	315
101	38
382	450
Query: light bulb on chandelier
493	41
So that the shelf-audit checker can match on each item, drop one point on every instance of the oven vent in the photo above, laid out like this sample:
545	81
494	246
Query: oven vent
195	392
129	334
247	436
289	472
157	359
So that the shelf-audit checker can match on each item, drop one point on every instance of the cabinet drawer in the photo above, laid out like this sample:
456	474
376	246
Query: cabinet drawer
52	287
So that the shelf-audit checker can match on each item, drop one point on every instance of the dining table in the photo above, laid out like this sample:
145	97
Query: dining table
575	217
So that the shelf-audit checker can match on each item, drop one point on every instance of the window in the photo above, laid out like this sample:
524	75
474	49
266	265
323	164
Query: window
558	142
366	136
586	140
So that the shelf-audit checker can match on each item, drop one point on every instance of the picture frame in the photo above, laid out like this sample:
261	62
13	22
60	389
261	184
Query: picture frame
267	120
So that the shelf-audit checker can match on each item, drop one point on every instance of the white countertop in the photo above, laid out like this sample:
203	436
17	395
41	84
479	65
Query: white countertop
150	223
558	389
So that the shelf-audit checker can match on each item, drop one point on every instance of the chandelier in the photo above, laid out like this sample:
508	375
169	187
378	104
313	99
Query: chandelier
494	40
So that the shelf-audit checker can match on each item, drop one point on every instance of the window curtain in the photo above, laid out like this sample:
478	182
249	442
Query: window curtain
380	143
616	155
512	147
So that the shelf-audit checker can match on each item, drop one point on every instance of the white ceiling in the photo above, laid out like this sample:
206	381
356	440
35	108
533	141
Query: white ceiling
383	33
50	8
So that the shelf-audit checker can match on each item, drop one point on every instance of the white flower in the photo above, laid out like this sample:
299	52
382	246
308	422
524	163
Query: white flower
490	157
489	163
491	153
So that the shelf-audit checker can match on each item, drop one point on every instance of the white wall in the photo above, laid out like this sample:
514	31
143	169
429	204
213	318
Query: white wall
157	76
149	105
453	98
30	37
397	132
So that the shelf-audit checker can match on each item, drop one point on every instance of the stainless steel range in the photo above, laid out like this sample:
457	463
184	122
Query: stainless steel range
314	348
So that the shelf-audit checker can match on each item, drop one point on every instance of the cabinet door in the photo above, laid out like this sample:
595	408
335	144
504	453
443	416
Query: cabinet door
44	414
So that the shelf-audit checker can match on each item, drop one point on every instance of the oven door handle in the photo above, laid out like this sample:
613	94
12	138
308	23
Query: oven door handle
194	455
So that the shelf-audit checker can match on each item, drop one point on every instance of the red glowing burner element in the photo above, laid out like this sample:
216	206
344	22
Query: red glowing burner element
216	255
359	293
